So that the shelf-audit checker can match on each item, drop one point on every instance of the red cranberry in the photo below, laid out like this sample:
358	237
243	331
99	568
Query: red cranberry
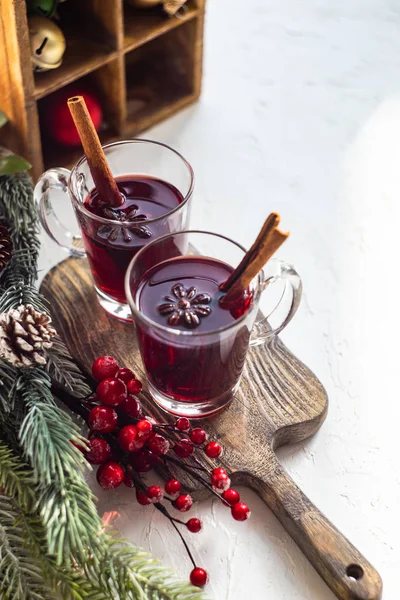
240	511
110	475
155	493
134	386
194	525
198	436
219	471
183	503
220	482
125	375
127	437
142	498
99	451
198	577
173	487
103	418
183	448
131	407
213	449
137	444
159	445
143	461
111	391
144	428
183	424
231	497
103	367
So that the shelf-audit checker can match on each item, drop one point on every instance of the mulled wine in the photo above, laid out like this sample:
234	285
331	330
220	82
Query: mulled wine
183	294
110	245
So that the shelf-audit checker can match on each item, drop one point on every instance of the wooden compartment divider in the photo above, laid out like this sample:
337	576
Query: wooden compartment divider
144	65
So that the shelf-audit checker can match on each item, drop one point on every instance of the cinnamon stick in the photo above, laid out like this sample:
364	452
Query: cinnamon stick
99	168
267	243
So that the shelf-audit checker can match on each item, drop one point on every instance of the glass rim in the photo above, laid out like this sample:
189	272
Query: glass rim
137	313
104	220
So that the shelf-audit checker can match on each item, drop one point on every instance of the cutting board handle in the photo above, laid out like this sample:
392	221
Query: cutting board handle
349	575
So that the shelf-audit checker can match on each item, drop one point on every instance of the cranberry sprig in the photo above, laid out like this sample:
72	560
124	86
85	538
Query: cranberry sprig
126	445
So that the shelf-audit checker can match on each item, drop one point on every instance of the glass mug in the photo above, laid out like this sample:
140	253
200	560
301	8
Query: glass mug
194	372
108	244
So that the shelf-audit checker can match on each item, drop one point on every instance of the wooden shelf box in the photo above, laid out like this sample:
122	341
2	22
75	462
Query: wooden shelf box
144	66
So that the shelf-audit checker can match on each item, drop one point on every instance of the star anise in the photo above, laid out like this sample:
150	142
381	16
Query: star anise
185	305
129	215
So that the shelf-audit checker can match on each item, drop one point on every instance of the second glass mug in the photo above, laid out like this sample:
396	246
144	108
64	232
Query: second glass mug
108	244
196	373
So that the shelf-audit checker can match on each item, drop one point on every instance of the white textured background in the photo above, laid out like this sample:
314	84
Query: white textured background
301	113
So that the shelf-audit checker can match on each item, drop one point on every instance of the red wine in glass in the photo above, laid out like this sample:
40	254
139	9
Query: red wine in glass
110	247
183	293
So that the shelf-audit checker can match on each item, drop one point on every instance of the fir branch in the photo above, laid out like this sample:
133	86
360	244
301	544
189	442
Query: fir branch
18	213
21	294
8	376
45	435
16	286
62	369
47	431
12	412
66	582
18	482
71	519
18	270
65	502
128	572
30	542
16	478
20	573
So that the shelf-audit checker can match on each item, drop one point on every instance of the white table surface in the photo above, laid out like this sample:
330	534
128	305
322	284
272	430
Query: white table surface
300	113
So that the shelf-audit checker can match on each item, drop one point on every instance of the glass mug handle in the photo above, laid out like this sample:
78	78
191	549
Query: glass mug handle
278	270
50	181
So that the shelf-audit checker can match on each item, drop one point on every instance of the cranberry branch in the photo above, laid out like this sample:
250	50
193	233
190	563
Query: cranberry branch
126	445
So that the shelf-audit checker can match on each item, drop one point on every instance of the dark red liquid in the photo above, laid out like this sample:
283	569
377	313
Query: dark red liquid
110	248
192	368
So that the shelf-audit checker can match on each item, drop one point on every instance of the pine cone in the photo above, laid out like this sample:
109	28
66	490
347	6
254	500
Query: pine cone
24	334
6	247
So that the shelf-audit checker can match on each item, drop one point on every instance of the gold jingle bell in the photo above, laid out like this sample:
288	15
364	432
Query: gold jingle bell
47	44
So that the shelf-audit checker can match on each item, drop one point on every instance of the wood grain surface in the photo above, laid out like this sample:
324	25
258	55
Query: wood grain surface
280	401
21	134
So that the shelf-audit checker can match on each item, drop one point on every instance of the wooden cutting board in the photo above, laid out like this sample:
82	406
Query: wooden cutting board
280	401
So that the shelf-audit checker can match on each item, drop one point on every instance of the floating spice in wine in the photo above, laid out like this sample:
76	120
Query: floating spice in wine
185	305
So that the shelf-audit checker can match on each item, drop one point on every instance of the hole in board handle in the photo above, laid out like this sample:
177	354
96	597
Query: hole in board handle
354	572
